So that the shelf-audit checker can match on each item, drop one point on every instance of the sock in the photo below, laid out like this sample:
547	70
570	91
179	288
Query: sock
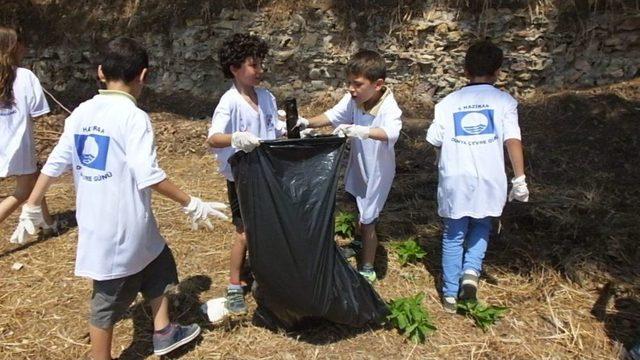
165	330
232	286
367	267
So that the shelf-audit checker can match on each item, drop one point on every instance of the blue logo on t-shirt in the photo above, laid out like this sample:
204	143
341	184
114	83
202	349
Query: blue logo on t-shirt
475	122
92	150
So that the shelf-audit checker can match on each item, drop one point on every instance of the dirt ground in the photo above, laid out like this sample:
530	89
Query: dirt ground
565	264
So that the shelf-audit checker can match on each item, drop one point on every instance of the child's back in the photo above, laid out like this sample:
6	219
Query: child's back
471	125
109	142
16	127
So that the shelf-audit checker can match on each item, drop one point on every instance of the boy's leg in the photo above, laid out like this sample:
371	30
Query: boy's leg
157	278
100	342
370	243
109	301
476	247
24	185
235	295
453	237
238	254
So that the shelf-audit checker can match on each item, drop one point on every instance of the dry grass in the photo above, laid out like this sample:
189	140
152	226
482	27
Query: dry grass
564	264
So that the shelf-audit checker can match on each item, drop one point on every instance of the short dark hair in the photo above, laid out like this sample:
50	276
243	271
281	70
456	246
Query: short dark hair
367	63
124	59
483	58
237	48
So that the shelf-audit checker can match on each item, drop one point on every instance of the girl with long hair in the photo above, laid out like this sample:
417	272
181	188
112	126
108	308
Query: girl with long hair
21	100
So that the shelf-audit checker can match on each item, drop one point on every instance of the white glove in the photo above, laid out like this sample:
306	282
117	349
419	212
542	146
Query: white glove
519	190
199	212
359	131
244	141
31	220
302	123
308	133
341	130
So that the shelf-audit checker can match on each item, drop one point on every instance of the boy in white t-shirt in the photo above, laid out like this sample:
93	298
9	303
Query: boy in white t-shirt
370	116
245	115
21	100
108	142
470	128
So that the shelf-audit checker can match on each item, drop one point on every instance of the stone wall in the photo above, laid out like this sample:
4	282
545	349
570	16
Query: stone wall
546	48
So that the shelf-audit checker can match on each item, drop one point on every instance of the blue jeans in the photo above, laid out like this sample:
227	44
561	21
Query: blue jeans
464	243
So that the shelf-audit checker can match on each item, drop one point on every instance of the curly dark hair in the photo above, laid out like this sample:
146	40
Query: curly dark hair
237	48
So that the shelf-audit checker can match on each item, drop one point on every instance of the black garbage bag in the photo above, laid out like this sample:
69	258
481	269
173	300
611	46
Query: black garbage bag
286	190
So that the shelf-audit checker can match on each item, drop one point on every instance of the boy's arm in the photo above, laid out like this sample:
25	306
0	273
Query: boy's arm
40	188
519	190
219	140
514	148
318	121
171	191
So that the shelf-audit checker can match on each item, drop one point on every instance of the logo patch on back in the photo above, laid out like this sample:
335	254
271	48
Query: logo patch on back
477	122
92	150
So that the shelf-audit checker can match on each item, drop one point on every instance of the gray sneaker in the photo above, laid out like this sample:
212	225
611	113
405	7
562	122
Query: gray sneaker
469	285
177	336
235	302
449	304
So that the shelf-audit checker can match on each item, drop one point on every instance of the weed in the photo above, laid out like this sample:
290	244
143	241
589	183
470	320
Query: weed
482	314
346	224
410	318
409	251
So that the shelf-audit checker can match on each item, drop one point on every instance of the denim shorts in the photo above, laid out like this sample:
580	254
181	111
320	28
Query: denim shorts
111	298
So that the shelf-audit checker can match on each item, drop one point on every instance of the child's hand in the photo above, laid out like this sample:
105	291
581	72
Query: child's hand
302	123
519	190
200	211
308	133
359	131
244	141
31	220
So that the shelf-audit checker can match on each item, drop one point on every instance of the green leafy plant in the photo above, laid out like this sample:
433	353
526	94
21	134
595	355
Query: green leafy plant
410	318
482	314
346	224
409	251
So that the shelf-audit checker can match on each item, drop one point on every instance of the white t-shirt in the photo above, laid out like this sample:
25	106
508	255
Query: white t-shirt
471	125
17	148
372	163
108	142
234	113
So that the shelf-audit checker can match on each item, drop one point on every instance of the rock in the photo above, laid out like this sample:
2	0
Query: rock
615	72
573	76
582	64
454	36
17	266
560	49
630	24
309	40
524	76
442	29
315	74
318	85
518	66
